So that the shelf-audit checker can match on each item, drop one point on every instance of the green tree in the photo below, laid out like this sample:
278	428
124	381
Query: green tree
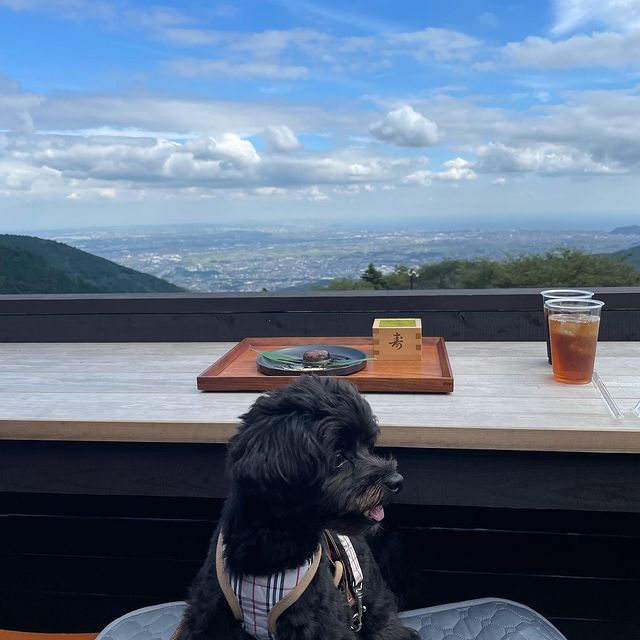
374	277
441	275
346	284
399	278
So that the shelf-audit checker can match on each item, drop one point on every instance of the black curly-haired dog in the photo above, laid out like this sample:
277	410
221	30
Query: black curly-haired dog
301	462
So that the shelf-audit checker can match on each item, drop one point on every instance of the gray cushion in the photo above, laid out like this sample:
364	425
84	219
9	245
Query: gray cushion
151	623
487	619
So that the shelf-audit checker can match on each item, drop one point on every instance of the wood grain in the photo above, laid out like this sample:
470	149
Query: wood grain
237	371
505	398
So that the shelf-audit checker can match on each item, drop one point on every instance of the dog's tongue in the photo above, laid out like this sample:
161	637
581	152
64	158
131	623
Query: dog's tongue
377	513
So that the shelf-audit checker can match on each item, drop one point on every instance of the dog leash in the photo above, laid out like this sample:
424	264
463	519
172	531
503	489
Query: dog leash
342	556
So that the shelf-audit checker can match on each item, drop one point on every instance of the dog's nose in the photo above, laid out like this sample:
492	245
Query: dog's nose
394	482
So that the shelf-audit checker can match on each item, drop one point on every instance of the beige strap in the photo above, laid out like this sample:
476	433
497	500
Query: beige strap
224	581
295	593
178	631
338	569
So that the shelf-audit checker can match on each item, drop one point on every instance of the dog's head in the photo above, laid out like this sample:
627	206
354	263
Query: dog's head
306	450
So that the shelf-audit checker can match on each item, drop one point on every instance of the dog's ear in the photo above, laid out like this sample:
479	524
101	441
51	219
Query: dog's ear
278	457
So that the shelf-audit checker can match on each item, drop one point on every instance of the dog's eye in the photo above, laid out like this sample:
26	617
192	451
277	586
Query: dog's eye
339	459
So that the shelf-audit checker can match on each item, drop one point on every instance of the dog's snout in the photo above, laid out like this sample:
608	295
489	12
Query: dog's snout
394	482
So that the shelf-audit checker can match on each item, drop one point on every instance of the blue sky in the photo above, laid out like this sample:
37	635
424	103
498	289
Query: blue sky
479	113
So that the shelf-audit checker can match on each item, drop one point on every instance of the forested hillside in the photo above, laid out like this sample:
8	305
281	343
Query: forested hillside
559	268
34	265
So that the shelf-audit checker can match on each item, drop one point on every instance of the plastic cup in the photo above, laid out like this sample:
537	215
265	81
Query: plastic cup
573	331
550	294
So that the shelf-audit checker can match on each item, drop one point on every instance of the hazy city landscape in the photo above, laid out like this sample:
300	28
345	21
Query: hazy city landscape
228	258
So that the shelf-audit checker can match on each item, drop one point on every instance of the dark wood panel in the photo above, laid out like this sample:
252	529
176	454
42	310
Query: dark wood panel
74	563
453	325
525	553
577	629
455	315
104	469
399	516
161	579
135	538
194	303
571	481
524	480
64	612
594	523
551	596
216	327
443	548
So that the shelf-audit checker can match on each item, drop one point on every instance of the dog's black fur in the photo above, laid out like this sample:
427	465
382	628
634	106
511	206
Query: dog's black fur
302	461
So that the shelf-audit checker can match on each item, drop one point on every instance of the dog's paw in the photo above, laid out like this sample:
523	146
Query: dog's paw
410	634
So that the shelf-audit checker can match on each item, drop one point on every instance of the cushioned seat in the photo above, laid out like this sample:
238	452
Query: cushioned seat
487	619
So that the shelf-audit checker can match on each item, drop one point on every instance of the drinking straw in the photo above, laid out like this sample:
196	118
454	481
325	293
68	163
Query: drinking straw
612	405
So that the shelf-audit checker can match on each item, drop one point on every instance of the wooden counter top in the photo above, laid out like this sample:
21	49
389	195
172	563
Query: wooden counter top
504	398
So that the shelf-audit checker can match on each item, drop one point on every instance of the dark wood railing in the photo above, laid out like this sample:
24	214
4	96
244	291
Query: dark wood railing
495	314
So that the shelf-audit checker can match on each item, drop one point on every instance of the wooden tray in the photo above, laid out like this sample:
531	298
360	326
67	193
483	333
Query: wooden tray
237	371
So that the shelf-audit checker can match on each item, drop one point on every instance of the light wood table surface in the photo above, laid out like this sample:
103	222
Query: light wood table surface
504	398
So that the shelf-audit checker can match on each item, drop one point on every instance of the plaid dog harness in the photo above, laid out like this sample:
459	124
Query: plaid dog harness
258	601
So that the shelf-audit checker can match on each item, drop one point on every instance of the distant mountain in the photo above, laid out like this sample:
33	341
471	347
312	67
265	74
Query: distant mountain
631	256
628	231
34	265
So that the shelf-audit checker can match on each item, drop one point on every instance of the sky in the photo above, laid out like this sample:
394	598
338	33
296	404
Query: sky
475	112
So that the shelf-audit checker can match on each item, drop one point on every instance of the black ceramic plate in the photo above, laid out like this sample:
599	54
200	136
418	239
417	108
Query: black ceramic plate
336	352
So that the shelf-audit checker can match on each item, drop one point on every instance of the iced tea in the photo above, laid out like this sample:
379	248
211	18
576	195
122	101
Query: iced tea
550	294
574	337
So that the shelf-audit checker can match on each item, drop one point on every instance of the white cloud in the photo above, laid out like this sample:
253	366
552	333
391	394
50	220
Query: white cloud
230	146
146	115
281	138
16	106
603	49
78	167
273	43
601	125
441	44
621	15
188	37
270	191
315	194
455	170
107	193
196	68
405	127
545	159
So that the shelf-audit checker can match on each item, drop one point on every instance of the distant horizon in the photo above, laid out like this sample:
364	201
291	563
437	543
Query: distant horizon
398	223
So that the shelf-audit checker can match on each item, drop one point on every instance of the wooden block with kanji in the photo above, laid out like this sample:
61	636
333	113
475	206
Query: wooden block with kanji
397	339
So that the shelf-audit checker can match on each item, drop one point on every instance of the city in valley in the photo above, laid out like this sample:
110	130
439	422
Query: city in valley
227	258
